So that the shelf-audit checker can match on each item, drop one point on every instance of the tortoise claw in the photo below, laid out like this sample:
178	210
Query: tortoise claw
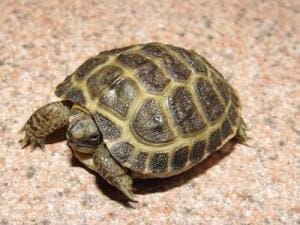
31	140
128	194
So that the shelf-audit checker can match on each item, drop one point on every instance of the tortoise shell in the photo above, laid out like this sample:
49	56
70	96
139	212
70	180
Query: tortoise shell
161	108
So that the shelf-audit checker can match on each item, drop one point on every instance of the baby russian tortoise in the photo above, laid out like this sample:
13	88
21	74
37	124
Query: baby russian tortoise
143	111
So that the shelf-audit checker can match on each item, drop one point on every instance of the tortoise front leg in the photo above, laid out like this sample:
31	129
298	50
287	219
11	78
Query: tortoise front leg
112	172
44	121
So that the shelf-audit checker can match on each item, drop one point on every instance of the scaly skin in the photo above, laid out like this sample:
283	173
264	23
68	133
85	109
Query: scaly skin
44	121
112	172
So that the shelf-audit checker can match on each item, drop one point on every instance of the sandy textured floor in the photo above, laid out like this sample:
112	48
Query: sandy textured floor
254	43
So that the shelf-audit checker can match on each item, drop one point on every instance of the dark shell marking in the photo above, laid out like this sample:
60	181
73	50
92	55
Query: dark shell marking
226	129
139	163
159	162
63	87
223	88
209	100
108	129
184	111
66	90
154	50
152	77
174	67
122	151
120	96
191	59
147	71
151	124
102	79
180	158
75	95
89	65
198	151
214	141
131	59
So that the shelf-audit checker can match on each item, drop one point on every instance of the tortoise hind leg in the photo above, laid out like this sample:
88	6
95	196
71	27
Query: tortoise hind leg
241	136
112	172
44	121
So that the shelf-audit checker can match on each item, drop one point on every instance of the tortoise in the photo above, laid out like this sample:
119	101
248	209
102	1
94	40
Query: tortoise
148	110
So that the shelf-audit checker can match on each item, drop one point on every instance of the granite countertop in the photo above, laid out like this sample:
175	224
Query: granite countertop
254	43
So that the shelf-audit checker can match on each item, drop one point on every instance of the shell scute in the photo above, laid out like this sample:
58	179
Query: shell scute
185	114
122	152
191	59
147	71
223	88
131	59
198	151
154	50
173	66
159	162
102	79
88	65
226	129
120	96
214	141
180	158
108	128
209	100
64	87
139	162
150	123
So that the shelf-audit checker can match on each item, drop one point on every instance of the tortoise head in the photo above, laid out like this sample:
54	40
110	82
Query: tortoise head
83	134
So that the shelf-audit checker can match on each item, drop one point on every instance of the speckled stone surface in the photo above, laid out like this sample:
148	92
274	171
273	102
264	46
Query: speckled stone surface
254	43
